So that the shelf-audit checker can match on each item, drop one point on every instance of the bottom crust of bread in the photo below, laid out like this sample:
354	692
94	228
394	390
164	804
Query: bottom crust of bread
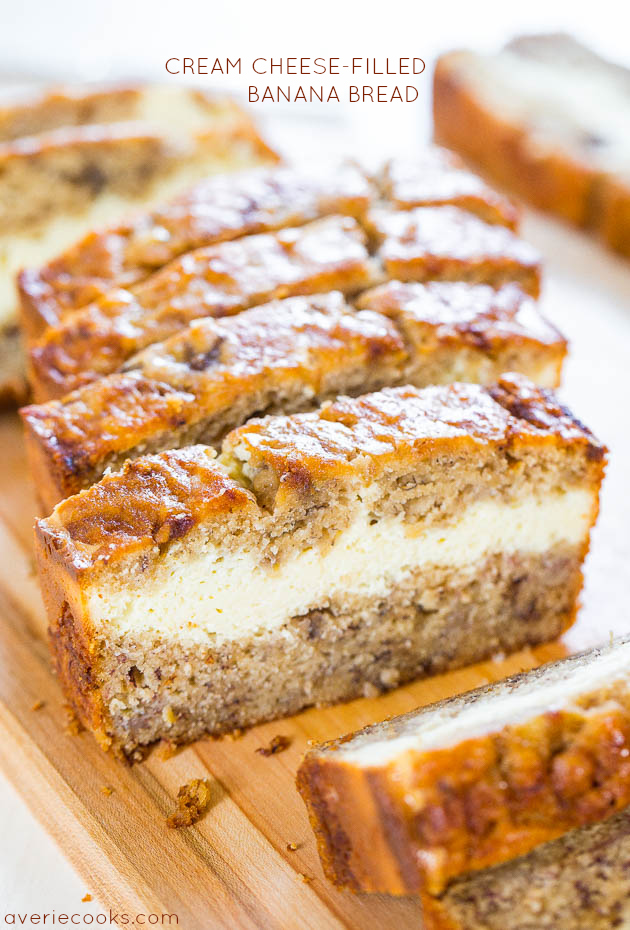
133	692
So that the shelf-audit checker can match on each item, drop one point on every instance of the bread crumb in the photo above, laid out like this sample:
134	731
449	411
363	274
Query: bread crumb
291	847
140	753
277	744
168	749
370	690
37	705
107	790
234	734
193	800
73	724
86	897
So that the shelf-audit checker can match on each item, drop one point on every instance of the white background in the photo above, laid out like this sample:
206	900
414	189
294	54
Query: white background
84	39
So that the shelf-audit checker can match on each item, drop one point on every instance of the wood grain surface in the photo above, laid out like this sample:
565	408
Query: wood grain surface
233	869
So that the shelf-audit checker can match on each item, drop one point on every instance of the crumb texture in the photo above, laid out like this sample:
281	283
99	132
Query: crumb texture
580	882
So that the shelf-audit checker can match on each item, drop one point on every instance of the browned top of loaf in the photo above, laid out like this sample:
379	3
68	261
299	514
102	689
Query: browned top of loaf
155	499
400	426
217	209
461	313
215	281
437	177
206	367
159	498
207	364
448	232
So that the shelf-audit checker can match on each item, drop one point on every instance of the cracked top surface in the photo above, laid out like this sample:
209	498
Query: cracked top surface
215	281
476	314
220	208
437	176
449	232
159	498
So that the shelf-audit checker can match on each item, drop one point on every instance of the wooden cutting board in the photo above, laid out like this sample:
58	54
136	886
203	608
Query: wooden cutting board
233	869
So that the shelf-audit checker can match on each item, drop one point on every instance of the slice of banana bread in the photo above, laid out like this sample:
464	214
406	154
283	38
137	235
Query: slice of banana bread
411	804
437	177
59	180
578	882
37	110
439	243
216	281
217	209
363	544
220	209
449	244
284	357
545	117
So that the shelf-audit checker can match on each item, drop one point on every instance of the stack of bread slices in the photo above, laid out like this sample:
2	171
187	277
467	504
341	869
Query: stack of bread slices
295	438
73	158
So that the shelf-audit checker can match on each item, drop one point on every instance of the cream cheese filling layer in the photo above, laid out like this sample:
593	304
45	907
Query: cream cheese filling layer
499	709
216	595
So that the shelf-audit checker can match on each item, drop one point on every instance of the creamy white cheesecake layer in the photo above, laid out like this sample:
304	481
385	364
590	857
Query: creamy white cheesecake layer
500	708
31	250
218	595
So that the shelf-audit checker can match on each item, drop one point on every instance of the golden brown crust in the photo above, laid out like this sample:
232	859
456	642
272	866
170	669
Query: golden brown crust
580	881
171	493
437	814
214	374
289	353
212	282
405	425
437	178
614	224
446	243
215	210
476	315
351	437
